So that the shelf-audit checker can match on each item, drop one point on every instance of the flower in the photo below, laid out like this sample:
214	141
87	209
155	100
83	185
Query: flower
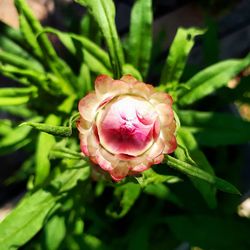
126	126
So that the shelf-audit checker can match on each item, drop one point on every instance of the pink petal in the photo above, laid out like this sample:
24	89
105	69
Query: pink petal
166	114
120	172
159	159
140	168
171	145
155	150
82	125
88	106
83	143
107	88
161	97
142	89
128	79
102	84
92	143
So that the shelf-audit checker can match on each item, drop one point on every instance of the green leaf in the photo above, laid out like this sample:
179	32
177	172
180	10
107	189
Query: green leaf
188	142
15	60
92	55
10	45
210	79
103	11
9	101
31	214
44	145
19	111
44	48
84	80
128	69
16	139
55	232
196	171
153	183
46	81
59	152
28	34
215	129
11	33
13	92
90	29
69	41
15	96
150	176
178	54
140	36
33	27
5	126
23	76
127	194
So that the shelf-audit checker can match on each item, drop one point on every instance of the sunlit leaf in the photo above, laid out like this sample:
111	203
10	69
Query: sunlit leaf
43	46
84	80
13	59
44	144
128	69
15	96
140	35
178	54
70	40
15	139
103	12
55	232
31	214
210	79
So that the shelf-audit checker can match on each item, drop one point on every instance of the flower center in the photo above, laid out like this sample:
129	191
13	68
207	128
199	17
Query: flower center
126	125
127	129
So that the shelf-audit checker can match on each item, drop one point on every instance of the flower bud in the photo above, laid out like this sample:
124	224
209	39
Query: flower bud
126	126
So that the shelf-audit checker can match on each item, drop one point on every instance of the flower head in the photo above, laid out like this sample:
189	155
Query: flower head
126	126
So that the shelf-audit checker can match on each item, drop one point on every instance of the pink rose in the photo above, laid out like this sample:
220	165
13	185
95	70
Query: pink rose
126	126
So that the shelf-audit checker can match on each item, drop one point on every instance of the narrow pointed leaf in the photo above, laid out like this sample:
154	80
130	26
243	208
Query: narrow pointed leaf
186	140
15	60
140	35
15	96
94	56
178	54
210	79
44	47
44	145
193	170
10	101
84	80
129	69
16	139
103	11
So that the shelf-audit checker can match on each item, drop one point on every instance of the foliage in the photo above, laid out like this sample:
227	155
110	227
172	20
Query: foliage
64	207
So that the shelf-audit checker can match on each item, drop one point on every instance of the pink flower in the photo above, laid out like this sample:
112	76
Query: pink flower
126	126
